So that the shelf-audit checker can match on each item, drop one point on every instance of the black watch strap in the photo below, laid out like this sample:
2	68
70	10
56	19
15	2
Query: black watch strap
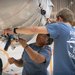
15	30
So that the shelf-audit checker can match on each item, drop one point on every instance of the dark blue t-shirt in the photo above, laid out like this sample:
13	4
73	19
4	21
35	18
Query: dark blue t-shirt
32	68
63	63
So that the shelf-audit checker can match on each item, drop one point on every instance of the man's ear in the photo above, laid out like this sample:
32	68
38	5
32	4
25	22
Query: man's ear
59	19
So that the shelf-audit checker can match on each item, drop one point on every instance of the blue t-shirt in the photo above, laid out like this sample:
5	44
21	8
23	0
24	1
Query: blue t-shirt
32	68
63	63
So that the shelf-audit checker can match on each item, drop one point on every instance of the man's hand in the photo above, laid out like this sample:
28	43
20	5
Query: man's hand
23	42
7	31
48	20
51	20
11	60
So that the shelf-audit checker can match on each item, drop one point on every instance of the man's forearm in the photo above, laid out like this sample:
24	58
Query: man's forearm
34	55
32	30
18	63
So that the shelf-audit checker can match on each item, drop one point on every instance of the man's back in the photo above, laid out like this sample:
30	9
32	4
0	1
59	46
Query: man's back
63	64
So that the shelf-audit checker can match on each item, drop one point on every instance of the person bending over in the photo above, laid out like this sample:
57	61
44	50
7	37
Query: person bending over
36	56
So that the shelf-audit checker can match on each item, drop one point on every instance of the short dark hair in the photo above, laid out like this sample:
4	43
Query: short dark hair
50	40
66	14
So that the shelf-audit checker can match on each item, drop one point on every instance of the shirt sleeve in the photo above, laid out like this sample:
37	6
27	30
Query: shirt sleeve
47	53
53	30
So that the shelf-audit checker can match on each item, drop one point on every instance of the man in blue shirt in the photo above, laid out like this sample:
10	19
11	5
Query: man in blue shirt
36	57
64	54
